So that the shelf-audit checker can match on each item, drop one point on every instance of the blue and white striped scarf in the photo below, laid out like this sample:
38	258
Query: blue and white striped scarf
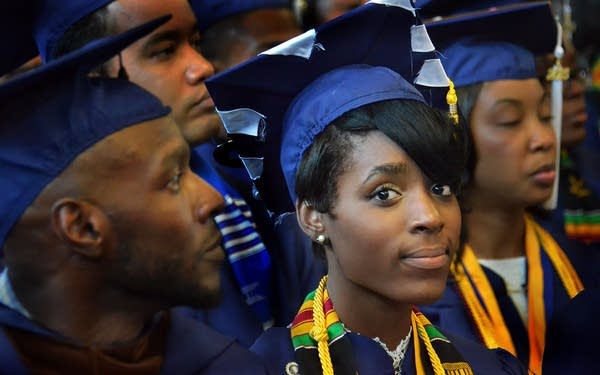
247	255
249	259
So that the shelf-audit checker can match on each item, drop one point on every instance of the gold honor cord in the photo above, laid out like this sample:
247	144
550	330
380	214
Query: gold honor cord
319	330
489	321
424	332
420	334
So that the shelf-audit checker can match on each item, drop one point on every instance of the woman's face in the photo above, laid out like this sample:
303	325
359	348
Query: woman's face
515	144
392	231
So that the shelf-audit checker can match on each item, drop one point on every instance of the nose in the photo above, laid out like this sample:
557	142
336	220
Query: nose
209	201
543	138
198	68
425	217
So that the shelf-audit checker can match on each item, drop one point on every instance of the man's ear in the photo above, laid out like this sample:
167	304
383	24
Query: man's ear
310	220
81	225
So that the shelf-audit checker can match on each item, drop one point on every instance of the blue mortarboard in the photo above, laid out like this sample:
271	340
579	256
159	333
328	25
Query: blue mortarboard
210	12
26	24
53	113
434	8
253	98
494	44
15	34
54	17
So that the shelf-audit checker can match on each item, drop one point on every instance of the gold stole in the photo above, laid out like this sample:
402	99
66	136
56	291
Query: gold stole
488	318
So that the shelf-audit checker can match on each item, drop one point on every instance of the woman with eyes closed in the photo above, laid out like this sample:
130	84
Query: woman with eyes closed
513	274
374	169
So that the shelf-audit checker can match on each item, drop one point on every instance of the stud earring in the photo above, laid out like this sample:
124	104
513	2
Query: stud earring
321	239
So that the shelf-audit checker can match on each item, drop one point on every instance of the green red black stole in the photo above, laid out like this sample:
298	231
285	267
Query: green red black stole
581	205
322	347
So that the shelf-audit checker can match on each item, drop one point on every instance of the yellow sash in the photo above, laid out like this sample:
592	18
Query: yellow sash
487	316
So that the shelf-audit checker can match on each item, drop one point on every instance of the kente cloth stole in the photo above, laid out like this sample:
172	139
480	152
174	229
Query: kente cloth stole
581	205
248	256
482	305
434	353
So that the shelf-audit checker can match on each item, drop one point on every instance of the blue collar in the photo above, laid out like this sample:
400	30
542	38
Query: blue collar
8	297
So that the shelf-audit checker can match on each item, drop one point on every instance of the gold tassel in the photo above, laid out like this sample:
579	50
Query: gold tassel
557	72
452	100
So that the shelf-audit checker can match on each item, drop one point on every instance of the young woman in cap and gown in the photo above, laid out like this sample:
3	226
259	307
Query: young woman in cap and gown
374	170
513	274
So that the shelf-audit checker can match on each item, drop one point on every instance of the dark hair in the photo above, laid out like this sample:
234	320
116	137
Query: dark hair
94	26
428	136
217	40
467	96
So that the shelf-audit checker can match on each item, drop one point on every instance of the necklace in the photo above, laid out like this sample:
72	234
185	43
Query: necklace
398	354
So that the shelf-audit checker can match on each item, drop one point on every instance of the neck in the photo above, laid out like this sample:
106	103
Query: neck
495	232
365	312
82	311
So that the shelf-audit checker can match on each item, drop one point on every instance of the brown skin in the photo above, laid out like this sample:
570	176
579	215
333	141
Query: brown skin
167	63
330	9
257	31
574	114
516	147
387	223
29	65
124	232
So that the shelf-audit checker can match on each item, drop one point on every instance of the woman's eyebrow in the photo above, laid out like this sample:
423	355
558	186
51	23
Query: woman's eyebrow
390	169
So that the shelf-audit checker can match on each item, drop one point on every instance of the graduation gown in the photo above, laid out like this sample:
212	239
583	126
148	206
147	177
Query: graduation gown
450	312
191	348
275	347
572	338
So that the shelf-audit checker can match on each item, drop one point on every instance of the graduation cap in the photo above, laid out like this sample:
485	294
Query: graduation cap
15	31
210	12
53	113
444	8
254	97
495	44
54	17
34	27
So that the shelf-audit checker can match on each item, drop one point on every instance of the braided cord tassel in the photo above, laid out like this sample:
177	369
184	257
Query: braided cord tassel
452	100
436	364
319	330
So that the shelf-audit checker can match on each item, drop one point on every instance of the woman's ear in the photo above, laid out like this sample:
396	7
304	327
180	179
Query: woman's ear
310	220
81	225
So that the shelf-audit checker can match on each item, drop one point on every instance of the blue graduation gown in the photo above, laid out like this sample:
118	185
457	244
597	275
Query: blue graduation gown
275	347
450	312
295	269
191	348
572	337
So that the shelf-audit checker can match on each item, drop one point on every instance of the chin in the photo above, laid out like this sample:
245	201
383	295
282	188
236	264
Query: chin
539	201
423	292
427	298
203	129
429	293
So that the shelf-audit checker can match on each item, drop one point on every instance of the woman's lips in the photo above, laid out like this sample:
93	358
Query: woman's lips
427	259
545	176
